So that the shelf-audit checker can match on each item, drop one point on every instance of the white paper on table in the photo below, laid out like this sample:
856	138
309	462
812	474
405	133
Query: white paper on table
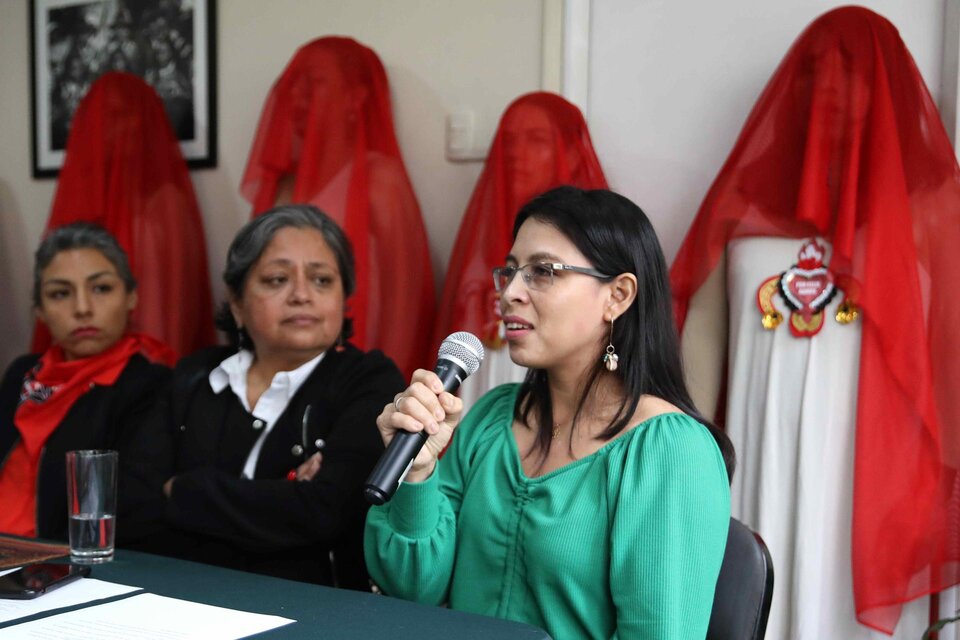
148	617
69	595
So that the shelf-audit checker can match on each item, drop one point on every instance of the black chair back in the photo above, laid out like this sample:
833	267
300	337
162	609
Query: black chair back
741	603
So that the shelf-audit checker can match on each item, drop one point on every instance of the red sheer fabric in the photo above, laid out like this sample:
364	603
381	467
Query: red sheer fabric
326	138
124	171
845	142
542	142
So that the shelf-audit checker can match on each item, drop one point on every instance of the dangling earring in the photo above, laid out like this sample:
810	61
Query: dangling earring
610	358
243	338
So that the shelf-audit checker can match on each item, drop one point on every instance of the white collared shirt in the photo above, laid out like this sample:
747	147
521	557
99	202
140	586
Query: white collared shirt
233	371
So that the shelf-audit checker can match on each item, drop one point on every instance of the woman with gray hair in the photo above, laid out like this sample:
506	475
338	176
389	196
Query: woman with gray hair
94	388
276	433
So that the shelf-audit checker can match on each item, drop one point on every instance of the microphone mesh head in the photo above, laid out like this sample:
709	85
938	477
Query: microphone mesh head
463	346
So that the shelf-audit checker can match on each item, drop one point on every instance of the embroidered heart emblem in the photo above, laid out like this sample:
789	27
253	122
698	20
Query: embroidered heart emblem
808	290
807	287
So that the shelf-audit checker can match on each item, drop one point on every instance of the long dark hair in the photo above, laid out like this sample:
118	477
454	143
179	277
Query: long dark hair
616	237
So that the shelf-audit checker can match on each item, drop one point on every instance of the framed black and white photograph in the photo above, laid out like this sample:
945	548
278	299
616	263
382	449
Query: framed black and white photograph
169	43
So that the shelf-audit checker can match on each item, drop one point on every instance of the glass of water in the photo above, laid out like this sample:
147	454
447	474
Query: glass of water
91	504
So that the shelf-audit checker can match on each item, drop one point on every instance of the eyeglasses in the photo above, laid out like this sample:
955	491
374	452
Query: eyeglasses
538	275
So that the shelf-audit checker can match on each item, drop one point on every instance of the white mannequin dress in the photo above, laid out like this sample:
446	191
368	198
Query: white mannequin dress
791	414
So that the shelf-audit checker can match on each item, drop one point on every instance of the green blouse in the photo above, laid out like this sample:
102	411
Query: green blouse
624	543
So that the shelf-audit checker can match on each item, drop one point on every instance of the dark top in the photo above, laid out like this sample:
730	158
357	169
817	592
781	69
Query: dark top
120	416
309	531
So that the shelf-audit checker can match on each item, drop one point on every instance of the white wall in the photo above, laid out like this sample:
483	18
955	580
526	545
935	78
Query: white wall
440	55
671	83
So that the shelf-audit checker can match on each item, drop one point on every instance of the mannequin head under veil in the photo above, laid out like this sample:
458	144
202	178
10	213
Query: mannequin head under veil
542	142
329	97
326	138
845	143
331	102
541	139
810	127
846	90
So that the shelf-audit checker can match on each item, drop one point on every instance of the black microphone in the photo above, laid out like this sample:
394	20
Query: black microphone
460	355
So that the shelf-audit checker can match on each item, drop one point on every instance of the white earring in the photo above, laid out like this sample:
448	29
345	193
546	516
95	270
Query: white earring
610	358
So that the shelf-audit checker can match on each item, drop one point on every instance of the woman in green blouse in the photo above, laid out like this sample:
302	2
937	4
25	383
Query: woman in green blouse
592	500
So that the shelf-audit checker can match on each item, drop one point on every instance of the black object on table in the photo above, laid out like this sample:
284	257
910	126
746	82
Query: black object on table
320	612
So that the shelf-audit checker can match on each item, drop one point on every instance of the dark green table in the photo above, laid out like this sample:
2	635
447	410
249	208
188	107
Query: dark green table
320	612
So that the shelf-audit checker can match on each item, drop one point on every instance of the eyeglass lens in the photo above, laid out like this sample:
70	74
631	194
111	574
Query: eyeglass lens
535	276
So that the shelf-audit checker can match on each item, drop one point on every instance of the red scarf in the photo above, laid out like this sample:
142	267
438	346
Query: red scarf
49	390
846	143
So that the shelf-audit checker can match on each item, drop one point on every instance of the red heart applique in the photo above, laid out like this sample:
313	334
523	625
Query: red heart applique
804	290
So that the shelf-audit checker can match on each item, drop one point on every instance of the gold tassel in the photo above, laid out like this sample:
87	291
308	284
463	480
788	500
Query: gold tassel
847	312
771	320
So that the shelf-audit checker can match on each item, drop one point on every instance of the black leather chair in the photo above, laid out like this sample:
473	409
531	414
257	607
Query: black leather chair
741	603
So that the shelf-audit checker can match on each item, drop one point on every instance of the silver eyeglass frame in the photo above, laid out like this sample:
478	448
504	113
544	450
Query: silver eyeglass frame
525	273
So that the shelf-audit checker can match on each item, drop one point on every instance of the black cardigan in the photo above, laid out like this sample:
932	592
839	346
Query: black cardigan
310	531
120	416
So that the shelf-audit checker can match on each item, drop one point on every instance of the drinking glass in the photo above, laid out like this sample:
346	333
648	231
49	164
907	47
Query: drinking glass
91	504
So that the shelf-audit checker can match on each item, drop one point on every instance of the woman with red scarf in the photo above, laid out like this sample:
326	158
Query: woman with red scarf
124	171
837	215
542	142
326	138
93	388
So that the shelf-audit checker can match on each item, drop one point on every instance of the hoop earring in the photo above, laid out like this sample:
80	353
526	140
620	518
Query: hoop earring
610	358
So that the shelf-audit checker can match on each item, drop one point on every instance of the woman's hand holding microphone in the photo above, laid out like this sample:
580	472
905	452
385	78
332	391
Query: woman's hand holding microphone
423	406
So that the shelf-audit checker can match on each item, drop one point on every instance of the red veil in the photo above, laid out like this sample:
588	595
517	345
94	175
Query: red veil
541	142
123	170
326	137
846	143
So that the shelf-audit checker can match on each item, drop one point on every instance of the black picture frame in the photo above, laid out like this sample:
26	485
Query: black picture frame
169	43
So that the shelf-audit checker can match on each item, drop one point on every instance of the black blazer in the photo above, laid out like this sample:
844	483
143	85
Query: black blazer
310	531
120	416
